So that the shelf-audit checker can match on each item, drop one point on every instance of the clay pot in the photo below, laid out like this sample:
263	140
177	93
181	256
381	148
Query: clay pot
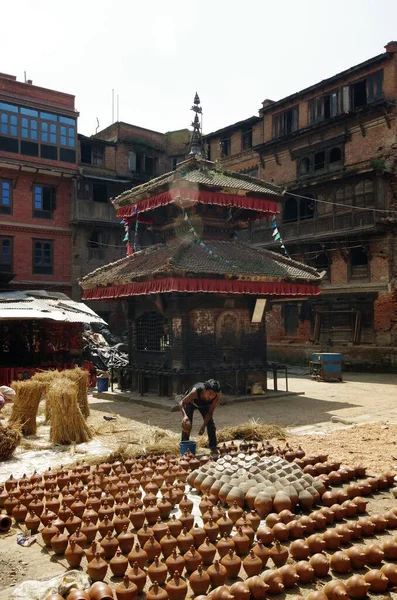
391	573
374	554
389	548
97	568
240	590
217	574
265	534
32	522
272	519
126	590
320	564
280	532
274	580
125	540
340	562
175	526
335	590
137	517
152	548
137	555
211	530
305	571
101	591
355	528
199	581
192	559
176	587
73	523
361	504
281	502
225	525
257	587
175	562
232	564
137	576
319	520
332	539
156	593
78	595
165	508
345	534
289	576
110	545
168	543
367	526
242	542
253	519
48	533
152	513
118	564
357	587
93	550
74	554
263	504
252	564
380	523
183	541
299	550
358	556
144	534
377	580
315	543
207	552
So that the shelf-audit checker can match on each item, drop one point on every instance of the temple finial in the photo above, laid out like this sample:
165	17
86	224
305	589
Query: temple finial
196	142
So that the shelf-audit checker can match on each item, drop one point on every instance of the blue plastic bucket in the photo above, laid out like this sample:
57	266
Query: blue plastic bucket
102	384
188	445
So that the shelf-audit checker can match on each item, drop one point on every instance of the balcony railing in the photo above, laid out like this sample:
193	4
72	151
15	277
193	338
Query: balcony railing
314	228
88	210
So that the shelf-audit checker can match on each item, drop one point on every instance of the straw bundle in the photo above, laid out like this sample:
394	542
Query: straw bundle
10	438
46	378
250	431
26	404
80	377
67	422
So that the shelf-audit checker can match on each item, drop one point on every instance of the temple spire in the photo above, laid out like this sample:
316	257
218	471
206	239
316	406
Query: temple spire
196	142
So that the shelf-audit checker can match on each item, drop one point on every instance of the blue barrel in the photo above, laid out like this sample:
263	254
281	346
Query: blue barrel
102	384
188	445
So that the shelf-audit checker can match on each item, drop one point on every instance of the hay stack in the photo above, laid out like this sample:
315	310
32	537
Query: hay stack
10	438
80	377
67	422
46	378
26	404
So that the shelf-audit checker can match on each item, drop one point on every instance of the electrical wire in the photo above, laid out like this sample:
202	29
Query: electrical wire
382	210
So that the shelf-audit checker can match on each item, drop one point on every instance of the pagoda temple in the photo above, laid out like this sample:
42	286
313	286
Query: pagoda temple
195	295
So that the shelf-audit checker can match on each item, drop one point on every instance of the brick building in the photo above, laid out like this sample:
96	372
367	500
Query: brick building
113	160
38	161
333	148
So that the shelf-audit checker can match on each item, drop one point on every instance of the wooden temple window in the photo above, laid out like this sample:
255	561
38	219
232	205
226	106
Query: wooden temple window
152	332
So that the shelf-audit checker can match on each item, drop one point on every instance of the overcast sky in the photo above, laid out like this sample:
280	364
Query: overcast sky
155	54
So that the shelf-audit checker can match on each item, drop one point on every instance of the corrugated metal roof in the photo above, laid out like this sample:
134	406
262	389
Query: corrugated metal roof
41	305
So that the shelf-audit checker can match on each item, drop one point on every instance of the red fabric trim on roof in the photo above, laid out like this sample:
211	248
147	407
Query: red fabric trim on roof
202	196
211	286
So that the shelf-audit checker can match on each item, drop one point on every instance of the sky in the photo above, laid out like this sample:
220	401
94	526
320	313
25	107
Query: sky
156	54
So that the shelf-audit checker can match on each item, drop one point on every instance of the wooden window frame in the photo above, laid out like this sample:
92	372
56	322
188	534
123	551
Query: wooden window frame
44	213
279	128
6	267
42	269
6	209
246	132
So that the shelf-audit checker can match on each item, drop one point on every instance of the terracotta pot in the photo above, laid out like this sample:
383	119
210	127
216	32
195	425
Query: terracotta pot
336	590
340	562
232	563
101	591
377	580
48	533
137	517
73	523
242	542
176	587
165	508
91	552
217	574
299	550
144	534
374	554
224	545
175	526
225	525
273	579
192	559
138	555
168	543
74	554
184	541
305	571
389	548
263	504
199	581
320	564
332	539
357	587
97	568
390	571
358	557
175	562
207	552
152	548
78	595
126	590
157	571
261	552
345	534
253	519
137	576
155	592
281	502
257	587
240	590
252	564
280	532
288	575
199	534
32	522
315	543
118	564
110	545
125	540
211	530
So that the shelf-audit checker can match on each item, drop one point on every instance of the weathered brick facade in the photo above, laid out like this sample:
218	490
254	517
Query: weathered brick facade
36	191
334	145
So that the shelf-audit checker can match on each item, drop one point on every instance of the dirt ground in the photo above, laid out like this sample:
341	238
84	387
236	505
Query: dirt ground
365	402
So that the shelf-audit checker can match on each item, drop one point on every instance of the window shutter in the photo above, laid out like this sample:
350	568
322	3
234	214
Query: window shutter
132	161
53	198
345	98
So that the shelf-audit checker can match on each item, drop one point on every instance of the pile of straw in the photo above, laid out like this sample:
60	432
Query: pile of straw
10	438
251	431
67	423
26	404
80	377
46	378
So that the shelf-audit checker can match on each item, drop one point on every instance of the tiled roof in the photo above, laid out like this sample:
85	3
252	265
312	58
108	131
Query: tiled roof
201	172
230	258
